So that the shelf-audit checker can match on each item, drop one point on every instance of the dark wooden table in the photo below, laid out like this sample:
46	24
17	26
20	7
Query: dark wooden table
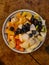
39	57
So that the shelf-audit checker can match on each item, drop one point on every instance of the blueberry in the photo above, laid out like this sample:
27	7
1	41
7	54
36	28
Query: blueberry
12	28
23	29
30	35
39	28
24	26
34	32
27	25
32	18
18	31
40	23
34	21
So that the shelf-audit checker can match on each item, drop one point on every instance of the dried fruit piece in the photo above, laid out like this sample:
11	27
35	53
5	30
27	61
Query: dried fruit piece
9	32
12	42
21	49
17	37
20	38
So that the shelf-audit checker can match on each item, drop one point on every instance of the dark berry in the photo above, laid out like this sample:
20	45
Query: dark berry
24	26
17	31
34	32
30	35
40	23
39	28
12	28
23	29
35	22
32	18
27	25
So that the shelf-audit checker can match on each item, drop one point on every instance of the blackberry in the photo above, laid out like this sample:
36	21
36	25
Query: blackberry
18	31
27	25
30	35
12	28
34	32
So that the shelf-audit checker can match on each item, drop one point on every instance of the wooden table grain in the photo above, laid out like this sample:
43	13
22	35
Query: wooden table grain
39	57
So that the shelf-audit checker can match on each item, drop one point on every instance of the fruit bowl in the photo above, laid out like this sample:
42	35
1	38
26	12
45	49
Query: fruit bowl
24	31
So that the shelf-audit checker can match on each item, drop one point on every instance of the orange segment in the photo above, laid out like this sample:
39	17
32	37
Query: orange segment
18	42
18	15
17	37
9	32
21	49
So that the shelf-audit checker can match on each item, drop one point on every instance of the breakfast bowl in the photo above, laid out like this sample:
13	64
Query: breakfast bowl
24	31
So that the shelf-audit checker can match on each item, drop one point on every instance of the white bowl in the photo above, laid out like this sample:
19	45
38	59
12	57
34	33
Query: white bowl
4	25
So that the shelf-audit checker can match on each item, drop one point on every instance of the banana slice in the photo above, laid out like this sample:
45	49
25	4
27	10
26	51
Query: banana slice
20	26
30	49
14	20
32	27
43	34
12	42
29	32
25	37
20	37
25	44
43	22
40	38
31	41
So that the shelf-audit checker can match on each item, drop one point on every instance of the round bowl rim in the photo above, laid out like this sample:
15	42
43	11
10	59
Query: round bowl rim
6	21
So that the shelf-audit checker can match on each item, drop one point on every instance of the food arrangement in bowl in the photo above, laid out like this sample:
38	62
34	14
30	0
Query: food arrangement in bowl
24	31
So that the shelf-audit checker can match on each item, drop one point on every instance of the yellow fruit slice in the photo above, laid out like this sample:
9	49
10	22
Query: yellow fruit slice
28	15
17	37
36	16
9	32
